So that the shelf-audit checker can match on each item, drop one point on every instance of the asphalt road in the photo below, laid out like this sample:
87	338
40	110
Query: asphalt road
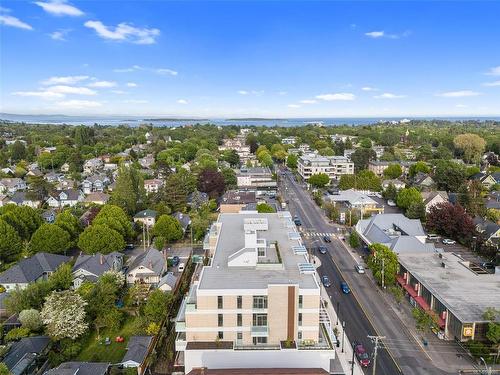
363	309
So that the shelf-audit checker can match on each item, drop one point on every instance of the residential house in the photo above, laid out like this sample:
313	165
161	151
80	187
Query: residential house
423	181
97	197
147	268
289	140
378	167
65	198
147	161
431	198
35	172
488	230
168	282
398	184
49	216
352	199
196	199
493	200
95	182
92	165
110	167
27	355
153	185
52	177
11	185
80	368
183	219
38	267
65	183
333	166
65	168
379	151
234	201
138	348
487	180
21	198
90	267
348	152
146	217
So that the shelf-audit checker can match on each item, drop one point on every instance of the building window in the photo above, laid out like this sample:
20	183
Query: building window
261	252
259	320
220	320
220	335
259	340
300	319
260	302
239	302
239	319
300	301
219	302
299	335
239	337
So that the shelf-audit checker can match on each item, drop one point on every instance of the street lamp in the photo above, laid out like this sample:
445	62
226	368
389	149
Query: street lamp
338	313
343	334
488	369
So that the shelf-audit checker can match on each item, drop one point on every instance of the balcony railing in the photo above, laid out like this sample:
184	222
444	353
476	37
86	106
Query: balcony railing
260	331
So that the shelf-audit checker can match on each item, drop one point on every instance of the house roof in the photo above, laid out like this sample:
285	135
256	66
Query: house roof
30	269
10	182
72	194
487	227
258	371
184	219
97	264
421	177
19	197
145	213
137	349
80	368
151	259
23	348
429	196
169	279
97	196
238	197
353	197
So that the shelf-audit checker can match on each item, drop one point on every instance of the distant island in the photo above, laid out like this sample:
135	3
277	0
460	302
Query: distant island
256	119
175	119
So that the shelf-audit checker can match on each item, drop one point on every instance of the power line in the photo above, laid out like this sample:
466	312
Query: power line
376	339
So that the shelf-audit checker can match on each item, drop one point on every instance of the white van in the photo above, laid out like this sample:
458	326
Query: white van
181	267
432	237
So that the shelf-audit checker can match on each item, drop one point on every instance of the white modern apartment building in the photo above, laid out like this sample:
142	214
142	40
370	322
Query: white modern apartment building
257	304
333	166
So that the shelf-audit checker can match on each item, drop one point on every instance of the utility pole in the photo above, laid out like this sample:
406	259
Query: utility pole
383	269
343	334
376	339
352	363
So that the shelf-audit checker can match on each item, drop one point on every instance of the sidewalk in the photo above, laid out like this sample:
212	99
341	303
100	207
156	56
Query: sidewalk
345	357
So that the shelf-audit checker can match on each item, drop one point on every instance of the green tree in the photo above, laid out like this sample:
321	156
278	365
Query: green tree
62	278
365	143
176	189
25	220
67	221
383	260
168	228
449	175
319	180
292	161
17	333
157	306
265	208
390	192
31	319
361	157
354	239
4	370
408	196
419	167
10	243
100	239
471	145
129	191
230	179
115	218
331	211
39	188
362	180
232	157
393	171
416	210
50	238
18	151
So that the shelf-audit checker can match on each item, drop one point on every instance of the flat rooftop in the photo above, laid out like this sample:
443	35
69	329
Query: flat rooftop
464	292
231	240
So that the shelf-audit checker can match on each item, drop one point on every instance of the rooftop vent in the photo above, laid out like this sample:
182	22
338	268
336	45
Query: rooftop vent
299	250
306	268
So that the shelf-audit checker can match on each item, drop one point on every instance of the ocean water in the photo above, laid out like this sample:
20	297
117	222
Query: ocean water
290	122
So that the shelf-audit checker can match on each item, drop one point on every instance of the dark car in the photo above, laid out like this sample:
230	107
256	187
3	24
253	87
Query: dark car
345	288
297	221
129	246
326	281
175	261
361	354
322	249
327	239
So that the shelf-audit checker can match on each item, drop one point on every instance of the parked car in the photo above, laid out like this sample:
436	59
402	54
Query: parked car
391	203
447	241
326	281
297	221
129	246
345	288
359	268
432	236
322	249
327	239
175	261
181	267
361	354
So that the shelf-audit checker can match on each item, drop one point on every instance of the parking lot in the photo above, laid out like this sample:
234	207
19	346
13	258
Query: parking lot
387	209
466	253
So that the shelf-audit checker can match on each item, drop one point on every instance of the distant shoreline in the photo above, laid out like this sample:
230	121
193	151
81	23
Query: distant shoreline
175	119
256	119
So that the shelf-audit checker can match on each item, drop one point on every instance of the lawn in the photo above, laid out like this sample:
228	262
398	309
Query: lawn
95	351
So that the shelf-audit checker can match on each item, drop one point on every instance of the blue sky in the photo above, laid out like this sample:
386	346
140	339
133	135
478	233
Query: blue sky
235	58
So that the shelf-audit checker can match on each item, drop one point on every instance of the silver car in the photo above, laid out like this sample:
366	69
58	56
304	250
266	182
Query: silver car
359	268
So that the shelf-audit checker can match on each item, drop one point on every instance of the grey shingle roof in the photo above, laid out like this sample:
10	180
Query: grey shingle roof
97	264
24	347
151	259
137	349
145	213
30	269
169	279
80	368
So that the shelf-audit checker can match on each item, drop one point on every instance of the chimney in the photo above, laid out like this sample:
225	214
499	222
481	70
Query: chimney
102	259
150	264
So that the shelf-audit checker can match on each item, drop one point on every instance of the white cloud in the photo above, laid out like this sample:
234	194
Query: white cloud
293	106
182	101
12	21
136	101
59	35
388	95
282	93
165	71
119	92
62	89
131	84
461	106
102	84
382	34
337	96
79	104
59	8
64	80
242	92
368	88
308	101
124	32
251	92
40	94
458	94
492	84
495	71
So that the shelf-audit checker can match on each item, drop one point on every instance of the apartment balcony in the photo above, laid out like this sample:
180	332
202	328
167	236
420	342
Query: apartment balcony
260	331
180	342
